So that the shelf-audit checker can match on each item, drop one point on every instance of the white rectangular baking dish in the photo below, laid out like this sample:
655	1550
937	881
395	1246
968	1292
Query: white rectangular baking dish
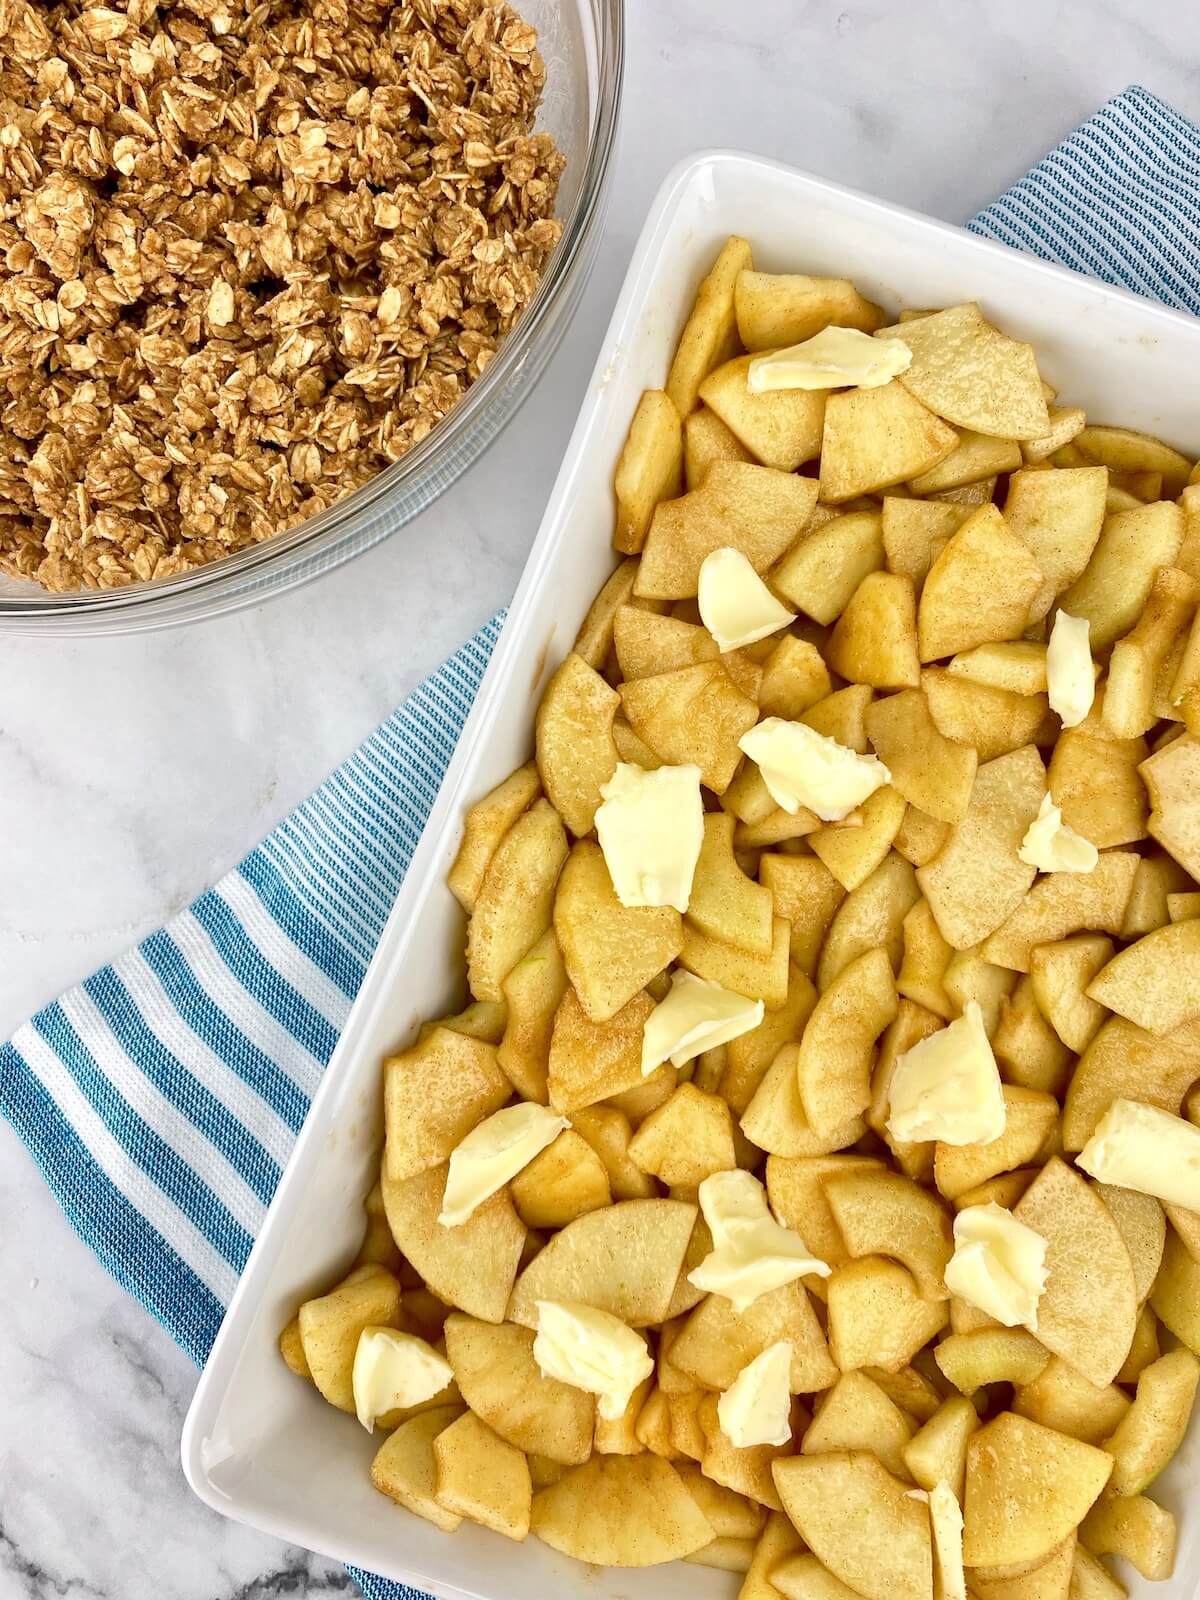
262	1447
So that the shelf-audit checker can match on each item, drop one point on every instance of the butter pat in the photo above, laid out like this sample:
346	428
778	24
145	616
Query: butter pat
835	358
651	827
591	1350
998	1265
946	1525
1070	675
802	767
752	1253
735	604
947	1086
1137	1146
1050	846
697	1015
757	1406
493	1153
394	1370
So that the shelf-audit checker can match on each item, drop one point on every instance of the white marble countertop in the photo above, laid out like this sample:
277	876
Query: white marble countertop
134	771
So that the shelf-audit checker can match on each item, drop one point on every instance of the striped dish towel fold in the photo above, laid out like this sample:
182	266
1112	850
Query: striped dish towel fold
161	1098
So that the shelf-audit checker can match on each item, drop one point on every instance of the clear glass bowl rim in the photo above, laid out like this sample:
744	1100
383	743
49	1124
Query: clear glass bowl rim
336	535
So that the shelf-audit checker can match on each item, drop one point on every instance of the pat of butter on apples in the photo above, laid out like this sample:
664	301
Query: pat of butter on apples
835	358
802	767
394	1370
998	1265
1070	674
591	1350
697	1015
948	1087
1050	846
757	1406
735	604
752	1253
651	827
1141	1147
493	1153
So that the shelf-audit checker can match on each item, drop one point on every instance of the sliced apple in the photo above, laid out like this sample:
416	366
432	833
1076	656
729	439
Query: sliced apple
611	951
931	771
886	1214
861	1522
1087	1264
1063	903
621	1511
780	427
877	1317
1030	1117
716	1341
575	749
512	908
837	1050
870	917
472	1266
1027	1489
624	1259
979	589
856	1415
1155	982
1123	1062
978	879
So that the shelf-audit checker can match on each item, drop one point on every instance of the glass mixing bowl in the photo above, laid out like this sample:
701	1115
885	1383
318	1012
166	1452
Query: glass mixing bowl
582	42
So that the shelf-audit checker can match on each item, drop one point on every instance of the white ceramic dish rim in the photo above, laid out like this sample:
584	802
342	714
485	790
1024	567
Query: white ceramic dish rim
458	787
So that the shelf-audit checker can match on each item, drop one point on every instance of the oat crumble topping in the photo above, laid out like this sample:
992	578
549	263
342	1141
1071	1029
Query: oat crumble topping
249	254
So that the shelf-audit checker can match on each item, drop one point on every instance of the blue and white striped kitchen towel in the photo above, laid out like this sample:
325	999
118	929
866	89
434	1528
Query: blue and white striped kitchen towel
161	1097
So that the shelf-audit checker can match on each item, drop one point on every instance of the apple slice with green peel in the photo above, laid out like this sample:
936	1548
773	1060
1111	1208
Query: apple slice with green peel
990	1355
1154	1427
